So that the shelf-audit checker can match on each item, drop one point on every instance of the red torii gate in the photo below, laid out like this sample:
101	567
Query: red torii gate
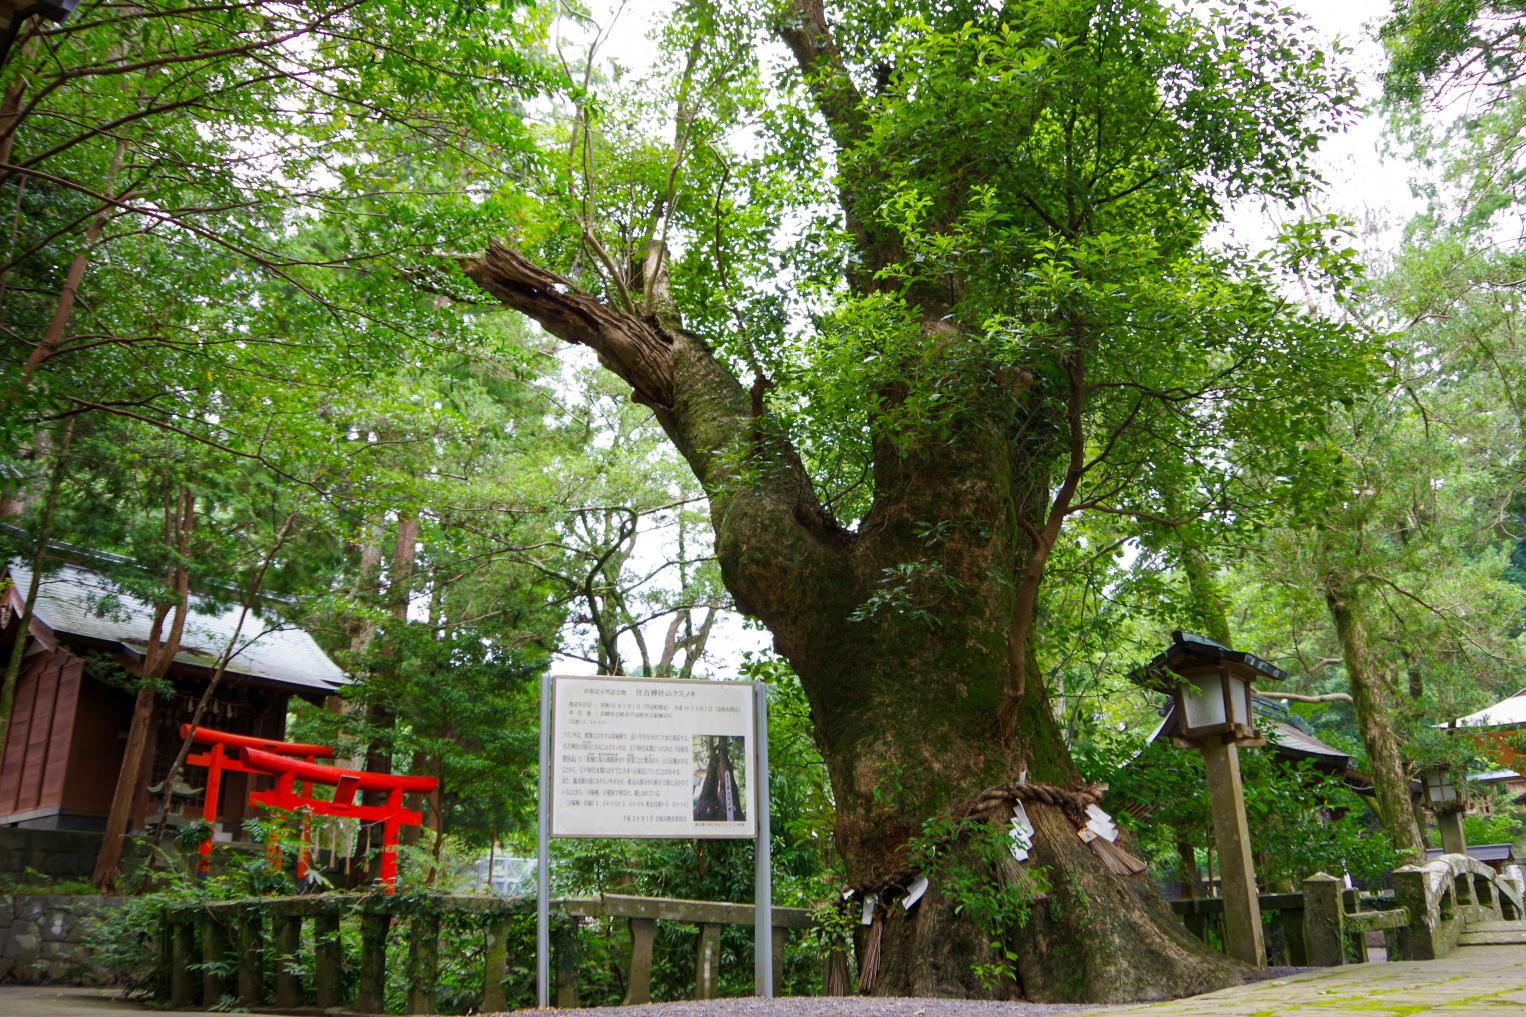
291	763
391	813
221	758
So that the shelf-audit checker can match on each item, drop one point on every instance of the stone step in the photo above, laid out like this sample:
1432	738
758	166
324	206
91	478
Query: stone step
1474	936
1495	927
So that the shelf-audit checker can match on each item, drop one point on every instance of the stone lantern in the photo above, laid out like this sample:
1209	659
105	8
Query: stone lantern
1447	797
1212	686
13	14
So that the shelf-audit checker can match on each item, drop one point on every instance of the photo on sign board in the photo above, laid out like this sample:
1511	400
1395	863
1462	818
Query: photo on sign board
720	779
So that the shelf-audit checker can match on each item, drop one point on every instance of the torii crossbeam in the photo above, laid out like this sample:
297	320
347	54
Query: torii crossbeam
288	771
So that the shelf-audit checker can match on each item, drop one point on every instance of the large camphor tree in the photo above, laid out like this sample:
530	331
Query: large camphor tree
1009	315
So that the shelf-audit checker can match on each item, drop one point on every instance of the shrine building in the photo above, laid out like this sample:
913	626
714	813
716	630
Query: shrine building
70	715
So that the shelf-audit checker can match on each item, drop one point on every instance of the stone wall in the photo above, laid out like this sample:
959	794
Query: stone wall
56	854
42	938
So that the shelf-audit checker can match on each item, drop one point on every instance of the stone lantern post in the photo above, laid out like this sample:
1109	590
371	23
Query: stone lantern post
1212	687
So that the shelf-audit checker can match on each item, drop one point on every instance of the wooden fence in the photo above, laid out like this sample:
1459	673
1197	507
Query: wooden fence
219	950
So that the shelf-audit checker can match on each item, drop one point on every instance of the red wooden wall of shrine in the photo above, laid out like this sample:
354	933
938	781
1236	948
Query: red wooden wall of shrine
61	752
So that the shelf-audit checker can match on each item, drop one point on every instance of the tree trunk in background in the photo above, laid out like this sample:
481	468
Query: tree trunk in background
380	718
179	520
39	561
1371	696
1207	605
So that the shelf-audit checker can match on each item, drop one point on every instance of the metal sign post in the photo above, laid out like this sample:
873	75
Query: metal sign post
658	758
763	883
542	855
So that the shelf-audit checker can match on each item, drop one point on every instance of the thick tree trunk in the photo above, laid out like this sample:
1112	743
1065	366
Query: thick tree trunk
1371	695
907	672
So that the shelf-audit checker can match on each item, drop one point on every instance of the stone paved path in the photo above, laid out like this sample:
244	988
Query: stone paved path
1476	981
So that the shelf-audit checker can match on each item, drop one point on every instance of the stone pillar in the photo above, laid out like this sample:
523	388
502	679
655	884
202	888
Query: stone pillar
496	967
707	962
251	953
328	951
1324	921
288	936
370	994
423	961
1243	937
567	963
182	956
1453	842
214	954
639	980
1417	940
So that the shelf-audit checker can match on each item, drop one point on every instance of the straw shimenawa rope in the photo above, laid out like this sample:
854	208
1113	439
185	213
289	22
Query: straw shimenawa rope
989	803
984	807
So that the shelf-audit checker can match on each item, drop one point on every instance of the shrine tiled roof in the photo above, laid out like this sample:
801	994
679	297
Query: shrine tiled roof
78	602
1509	712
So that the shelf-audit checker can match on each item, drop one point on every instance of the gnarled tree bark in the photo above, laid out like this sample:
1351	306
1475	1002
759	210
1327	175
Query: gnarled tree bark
905	704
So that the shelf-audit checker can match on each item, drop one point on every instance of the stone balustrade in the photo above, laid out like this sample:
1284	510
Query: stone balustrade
216	950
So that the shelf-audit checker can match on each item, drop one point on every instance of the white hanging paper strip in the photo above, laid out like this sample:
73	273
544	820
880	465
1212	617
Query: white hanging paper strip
868	917
1022	832
1021	824
914	892
1100	823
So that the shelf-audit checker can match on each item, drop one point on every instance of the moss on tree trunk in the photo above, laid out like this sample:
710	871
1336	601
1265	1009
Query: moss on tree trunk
910	635
1372	694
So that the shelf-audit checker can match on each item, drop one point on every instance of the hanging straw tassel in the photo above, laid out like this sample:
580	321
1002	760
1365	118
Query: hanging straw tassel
1117	859
869	969
837	974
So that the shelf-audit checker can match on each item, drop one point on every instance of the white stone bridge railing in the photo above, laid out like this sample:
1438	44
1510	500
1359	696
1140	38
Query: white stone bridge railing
1447	894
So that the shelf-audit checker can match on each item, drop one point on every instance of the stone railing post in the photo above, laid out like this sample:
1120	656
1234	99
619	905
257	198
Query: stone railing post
495	966
288	937
371	994
639	979
1417	940
423	960
1324	921
567	965
328	953
214	953
166	953
251	955
707	962
182	956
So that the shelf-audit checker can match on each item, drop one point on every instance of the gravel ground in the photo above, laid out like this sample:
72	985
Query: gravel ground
856	1006
827	1006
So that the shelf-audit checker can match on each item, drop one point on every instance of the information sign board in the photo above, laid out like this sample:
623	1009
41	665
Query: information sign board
649	757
